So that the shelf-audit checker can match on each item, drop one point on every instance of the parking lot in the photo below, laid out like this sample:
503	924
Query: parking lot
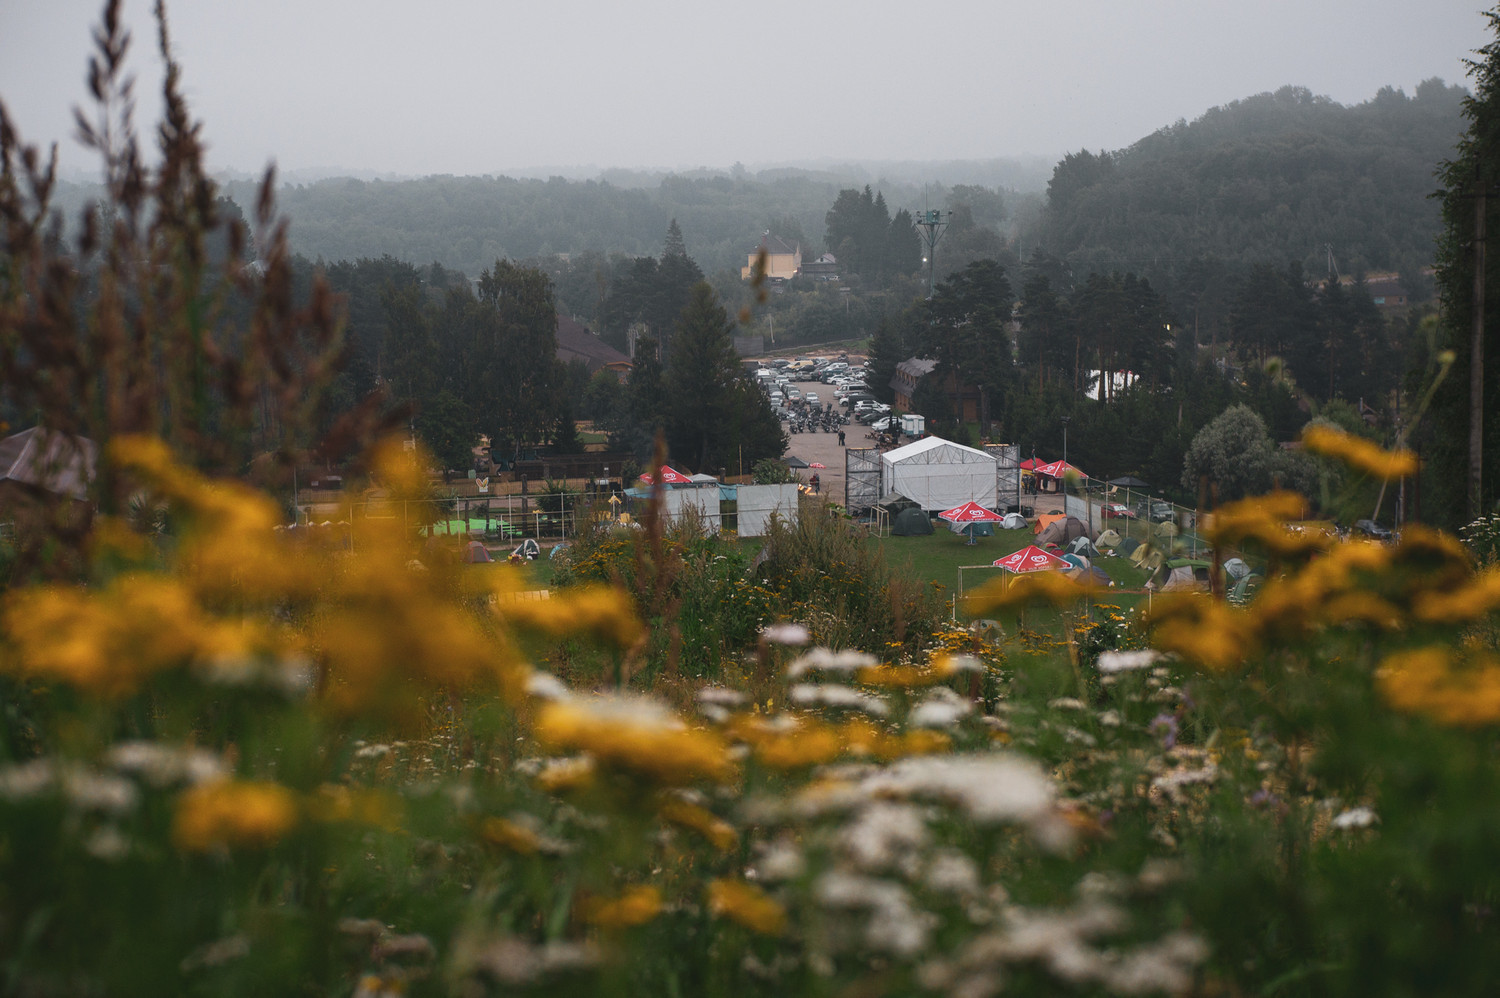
821	447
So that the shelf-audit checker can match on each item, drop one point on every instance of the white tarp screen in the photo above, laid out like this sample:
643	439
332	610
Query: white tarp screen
757	503
704	500
939	474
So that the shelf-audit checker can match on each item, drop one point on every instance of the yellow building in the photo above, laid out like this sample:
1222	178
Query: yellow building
783	259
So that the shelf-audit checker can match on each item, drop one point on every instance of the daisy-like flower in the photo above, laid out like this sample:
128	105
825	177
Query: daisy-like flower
826	660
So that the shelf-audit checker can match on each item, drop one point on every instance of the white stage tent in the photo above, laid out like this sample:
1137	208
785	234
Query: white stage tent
939	474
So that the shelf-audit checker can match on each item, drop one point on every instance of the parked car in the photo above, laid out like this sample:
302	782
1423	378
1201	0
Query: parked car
1369	528
1118	511
1156	512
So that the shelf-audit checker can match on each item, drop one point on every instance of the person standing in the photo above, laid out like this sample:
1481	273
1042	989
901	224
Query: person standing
841	438
816	484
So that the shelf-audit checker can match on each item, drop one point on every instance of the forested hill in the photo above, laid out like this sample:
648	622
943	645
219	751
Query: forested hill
1280	176
467	223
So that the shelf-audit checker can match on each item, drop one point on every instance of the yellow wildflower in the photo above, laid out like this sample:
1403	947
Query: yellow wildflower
747	905
1425	681
562	775
109	642
1048	588
1467	603
510	835
334	802
1263	520
716	830
603	612
637	906
636	735
233	813
1202	630
792	745
1359	453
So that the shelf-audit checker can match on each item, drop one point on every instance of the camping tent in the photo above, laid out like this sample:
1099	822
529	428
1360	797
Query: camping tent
1013	521
1109	539
1237	568
1091	575
938	473
910	523
1062	531
1081	545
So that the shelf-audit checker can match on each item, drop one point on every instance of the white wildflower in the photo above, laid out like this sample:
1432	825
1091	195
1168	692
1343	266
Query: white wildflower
163	765
27	779
1167	966
779	861
1355	817
721	696
840	697
952	872
942	708
546	686
1110	718
786	634
881	831
895	925
1067	703
992	788
1127	661
1173	781
824	660
96	792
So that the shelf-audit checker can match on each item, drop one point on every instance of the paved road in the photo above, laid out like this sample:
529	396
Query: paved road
824	447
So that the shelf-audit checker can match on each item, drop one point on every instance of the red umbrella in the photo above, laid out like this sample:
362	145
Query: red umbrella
817	464
1030	559
1058	469
1030	464
970	512
667	477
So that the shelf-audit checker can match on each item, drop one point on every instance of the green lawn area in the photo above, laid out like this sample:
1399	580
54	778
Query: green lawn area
939	556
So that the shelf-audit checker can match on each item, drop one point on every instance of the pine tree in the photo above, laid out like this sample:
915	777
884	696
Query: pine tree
1460	447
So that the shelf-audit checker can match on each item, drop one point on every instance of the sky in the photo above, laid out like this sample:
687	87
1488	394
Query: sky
574	86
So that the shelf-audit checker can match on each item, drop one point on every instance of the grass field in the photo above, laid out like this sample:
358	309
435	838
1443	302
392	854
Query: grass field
939	557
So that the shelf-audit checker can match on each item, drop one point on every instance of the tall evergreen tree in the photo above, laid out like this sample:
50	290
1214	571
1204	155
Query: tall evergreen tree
1463	448
711	413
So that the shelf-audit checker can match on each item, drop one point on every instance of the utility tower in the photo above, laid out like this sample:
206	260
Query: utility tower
932	222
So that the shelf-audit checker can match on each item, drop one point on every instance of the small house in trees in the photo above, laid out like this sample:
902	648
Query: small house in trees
1386	290
575	342
824	268
783	259
908	373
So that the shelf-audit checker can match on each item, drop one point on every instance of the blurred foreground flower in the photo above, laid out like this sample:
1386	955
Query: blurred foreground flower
1359	453
747	905
233	813
634	734
636	906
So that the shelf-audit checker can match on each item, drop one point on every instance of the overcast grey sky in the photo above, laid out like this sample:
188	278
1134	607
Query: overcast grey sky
489	86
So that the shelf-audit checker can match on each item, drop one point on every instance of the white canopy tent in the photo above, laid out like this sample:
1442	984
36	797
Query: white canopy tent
939	474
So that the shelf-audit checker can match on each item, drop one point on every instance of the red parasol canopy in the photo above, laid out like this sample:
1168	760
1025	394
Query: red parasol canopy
817	464
1030	559
668	477
1030	464
970	512
1058	469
